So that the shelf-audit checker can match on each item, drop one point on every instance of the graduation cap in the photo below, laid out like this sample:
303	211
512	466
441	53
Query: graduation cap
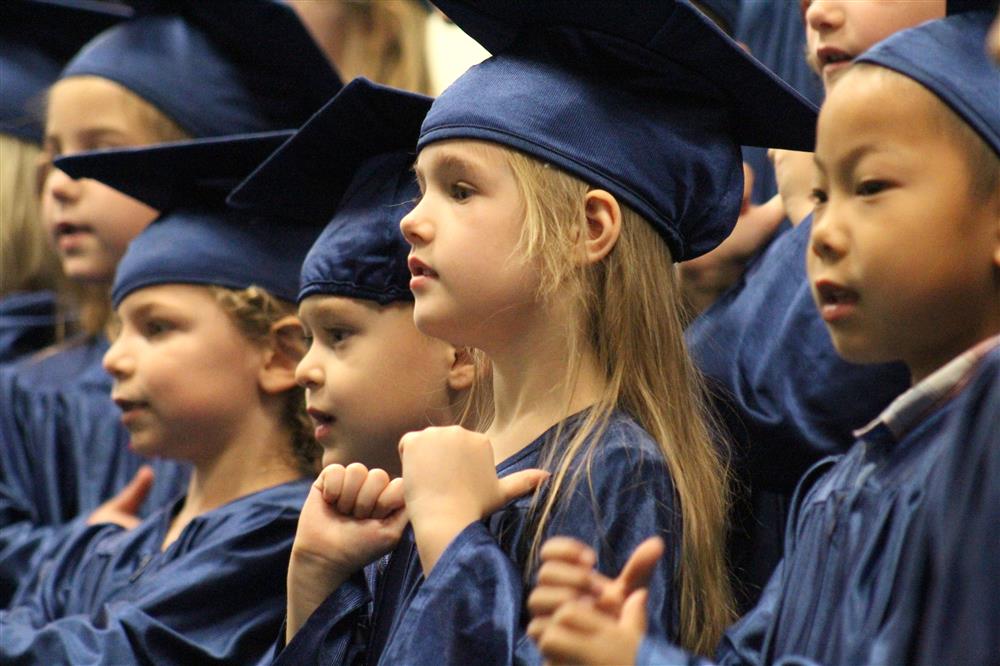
726	13
37	38
351	162
197	239
948	58
645	98
215	68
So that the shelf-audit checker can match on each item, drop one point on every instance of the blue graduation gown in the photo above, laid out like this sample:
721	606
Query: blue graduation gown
785	397
110	596
775	34
471	608
892	554
27	323
63	451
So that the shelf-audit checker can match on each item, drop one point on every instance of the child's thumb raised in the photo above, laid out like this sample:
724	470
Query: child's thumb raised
633	617
131	497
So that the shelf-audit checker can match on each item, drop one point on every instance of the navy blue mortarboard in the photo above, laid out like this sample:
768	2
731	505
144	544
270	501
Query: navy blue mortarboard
958	6
948	58
37	38
725	13
352	162
215	68
198	239
645	98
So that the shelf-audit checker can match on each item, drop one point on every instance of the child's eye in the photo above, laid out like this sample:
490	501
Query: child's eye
871	187
154	327
337	335
460	192
818	196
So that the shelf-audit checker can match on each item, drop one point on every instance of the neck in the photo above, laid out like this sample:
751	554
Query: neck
530	394
254	458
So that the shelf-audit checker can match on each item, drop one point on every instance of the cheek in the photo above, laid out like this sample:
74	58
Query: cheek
121	219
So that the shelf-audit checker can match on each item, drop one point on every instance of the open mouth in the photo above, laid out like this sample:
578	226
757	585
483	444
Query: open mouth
831	56
420	269
130	405
833	294
320	417
69	229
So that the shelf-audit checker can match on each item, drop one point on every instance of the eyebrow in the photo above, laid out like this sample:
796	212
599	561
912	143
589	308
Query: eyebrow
850	161
451	162
94	134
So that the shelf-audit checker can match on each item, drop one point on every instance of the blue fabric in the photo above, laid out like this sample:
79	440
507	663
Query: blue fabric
785	397
947	57
37	38
775	34
197	239
471	608
649	100
63	451
111	596
215	68
877	556
352	162
27	324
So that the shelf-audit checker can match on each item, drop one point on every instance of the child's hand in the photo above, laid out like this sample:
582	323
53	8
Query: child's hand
582	633
123	508
351	517
567	576
450	481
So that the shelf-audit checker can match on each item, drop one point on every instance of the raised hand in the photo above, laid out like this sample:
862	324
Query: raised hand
123	508
351	517
582	633
450	481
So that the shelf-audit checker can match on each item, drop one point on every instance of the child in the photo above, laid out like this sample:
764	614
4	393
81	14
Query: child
786	397
370	375
199	69
203	367
903	264
528	245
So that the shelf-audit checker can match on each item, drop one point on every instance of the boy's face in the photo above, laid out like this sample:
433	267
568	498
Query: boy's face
370	377
903	259
184	374
90	224
839	30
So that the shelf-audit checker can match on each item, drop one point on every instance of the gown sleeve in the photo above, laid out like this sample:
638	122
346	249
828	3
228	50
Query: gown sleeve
63	451
471	607
216	595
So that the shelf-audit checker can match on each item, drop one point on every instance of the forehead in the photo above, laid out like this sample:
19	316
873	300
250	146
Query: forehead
90	102
467	153
328	305
186	296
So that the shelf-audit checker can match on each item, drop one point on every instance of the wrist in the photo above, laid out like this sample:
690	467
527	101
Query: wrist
435	534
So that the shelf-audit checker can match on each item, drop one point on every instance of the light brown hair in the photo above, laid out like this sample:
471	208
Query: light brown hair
254	311
632	309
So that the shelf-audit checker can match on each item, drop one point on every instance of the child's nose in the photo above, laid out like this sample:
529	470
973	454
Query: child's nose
61	187
826	240
117	361
415	227
309	373
822	15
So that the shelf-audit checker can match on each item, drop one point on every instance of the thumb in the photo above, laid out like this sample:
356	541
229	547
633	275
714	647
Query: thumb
640	566
633	617
518	484
131	497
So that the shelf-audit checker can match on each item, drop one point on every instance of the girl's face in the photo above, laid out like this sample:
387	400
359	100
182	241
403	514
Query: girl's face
904	258
839	30
90	224
470	282
370	377
184	375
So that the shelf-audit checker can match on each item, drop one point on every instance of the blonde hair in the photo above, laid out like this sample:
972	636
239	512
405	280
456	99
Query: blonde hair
631	309
93	300
383	40
27	261
254	311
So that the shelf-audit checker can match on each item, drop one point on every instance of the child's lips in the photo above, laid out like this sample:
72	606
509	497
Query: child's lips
130	408
421	273
322	421
67	234
831	55
835	301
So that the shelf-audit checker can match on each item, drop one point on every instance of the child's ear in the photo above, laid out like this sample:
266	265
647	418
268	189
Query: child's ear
463	370
287	346
604	223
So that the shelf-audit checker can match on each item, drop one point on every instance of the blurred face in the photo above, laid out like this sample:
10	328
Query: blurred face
470	282
184	375
370	377
903	261
839	30
90	224
993	40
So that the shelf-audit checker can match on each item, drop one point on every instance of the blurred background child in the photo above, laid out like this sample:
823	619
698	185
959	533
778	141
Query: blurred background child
203	365
895	238
187	69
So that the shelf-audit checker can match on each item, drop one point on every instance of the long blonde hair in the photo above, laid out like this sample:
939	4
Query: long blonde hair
27	261
631	307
